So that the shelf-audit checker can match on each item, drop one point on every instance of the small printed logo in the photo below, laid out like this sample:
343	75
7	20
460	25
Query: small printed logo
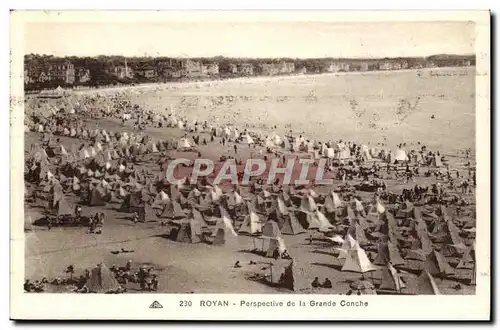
155	304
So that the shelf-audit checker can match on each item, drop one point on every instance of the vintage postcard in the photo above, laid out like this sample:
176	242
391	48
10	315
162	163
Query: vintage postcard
315	165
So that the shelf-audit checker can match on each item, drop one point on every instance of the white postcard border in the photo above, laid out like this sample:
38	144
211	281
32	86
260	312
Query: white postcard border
136	306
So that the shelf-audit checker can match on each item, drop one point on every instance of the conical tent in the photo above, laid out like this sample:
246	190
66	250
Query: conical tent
271	229
437	265
308	204
348	244
251	225
332	202
291	225
279	207
172	209
357	261
436	161
378	207
98	197
391	280
416	254
160	200
223	230
276	244
426	284
358	207
356	231
324	224
189	232
295	277
388	253
198	218
453	236
234	199
312	222
349	212
184	143
62	207
468	260
102	280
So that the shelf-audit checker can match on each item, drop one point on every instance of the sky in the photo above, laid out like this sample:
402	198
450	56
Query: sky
247	39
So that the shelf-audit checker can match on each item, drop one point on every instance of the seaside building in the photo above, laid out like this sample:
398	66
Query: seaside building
146	72
390	65
337	67
269	69
62	72
35	74
122	71
286	67
191	68
171	72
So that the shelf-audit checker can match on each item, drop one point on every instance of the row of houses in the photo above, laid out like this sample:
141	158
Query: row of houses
66	72
58	72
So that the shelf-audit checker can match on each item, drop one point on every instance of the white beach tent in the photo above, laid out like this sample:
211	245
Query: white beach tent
329	153
332	201
224	223
365	153
273	139
251	225
247	139
184	143
399	155
324	224
357	261
349	243
342	151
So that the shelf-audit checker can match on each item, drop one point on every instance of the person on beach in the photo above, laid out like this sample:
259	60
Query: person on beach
91	225
78	213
